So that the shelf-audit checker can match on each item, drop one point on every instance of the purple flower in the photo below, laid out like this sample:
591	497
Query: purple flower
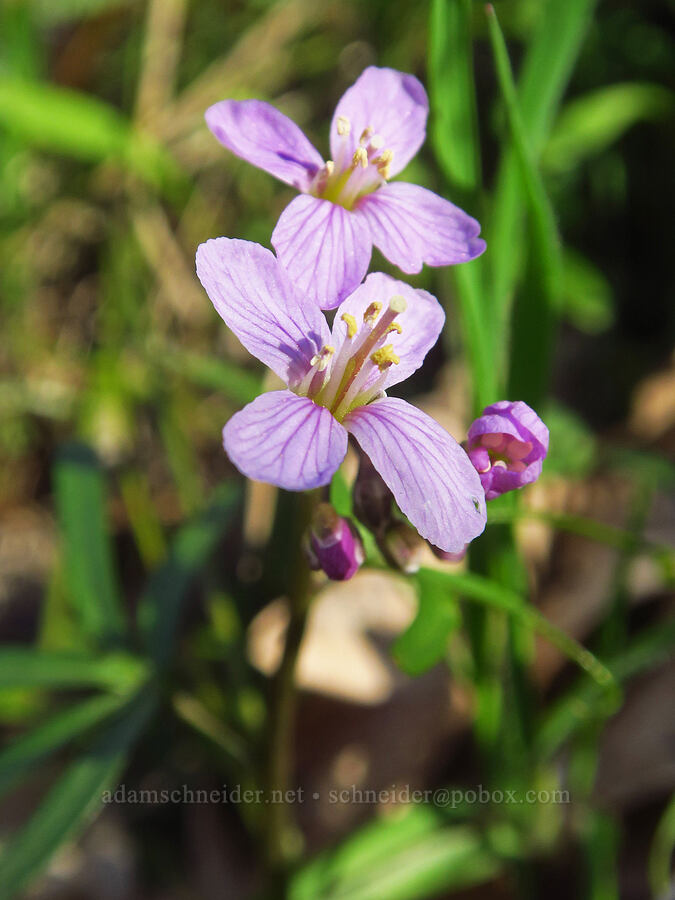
507	445
333	544
324	237
297	438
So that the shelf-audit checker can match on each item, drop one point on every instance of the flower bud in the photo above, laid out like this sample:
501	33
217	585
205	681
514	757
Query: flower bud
333	544
371	498
402	547
507	446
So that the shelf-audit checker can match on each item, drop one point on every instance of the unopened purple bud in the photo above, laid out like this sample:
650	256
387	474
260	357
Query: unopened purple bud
372	499
333	544
402	547
507	446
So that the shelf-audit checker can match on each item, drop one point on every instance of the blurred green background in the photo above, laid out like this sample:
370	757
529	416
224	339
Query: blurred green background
138	573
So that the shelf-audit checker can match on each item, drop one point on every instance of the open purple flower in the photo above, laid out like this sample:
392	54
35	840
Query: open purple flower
297	438
507	446
324	238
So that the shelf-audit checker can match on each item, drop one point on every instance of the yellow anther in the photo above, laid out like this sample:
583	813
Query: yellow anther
398	304
365	134
377	141
360	158
329	167
322	358
344	126
385	357
350	322
385	158
373	311
395	326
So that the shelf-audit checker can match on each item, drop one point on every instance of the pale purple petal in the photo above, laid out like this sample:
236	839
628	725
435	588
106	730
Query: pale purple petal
393	104
427	471
260	134
285	440
412	226
324	248
255	297
421	323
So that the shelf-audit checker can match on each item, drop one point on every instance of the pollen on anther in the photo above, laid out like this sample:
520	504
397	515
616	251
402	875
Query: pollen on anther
385	357
360	158
373	311
329	167
344	126
365	134
350	322
395	326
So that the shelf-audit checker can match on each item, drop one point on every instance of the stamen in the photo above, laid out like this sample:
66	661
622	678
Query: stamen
385	357
395	326
365	134
322	358
383	163
373	311
351	324
329	167
344	126
360	158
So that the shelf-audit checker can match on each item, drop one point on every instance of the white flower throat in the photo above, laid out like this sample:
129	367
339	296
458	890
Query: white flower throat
357	373
351	176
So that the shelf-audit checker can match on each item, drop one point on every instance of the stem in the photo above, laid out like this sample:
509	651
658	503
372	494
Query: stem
283	841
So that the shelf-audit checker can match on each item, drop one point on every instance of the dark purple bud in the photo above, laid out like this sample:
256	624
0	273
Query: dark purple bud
372	499
402	547
507	446
333	544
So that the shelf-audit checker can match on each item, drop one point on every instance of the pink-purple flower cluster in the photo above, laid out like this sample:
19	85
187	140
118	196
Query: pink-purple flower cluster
337	378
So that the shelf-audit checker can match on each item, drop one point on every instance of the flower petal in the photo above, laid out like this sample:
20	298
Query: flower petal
393	104
260	134
421	322
324	248
285	440
253	294
412	226
427	471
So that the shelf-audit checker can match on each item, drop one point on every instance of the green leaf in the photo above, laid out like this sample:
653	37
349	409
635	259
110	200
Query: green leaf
340	494
81	126
661	853
587	295
482	590
28	667
20	756
89	570
160	606
425	641
72	800
400	858
452	93
588	125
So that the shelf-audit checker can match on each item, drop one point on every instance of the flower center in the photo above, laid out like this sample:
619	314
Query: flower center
500	451
352	175
356	375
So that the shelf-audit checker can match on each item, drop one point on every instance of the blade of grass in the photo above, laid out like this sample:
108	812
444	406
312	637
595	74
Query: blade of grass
661	852
28	667
20	756
533	326
89	569
453	96
482	590
72	800
425	641
160	606
545	72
